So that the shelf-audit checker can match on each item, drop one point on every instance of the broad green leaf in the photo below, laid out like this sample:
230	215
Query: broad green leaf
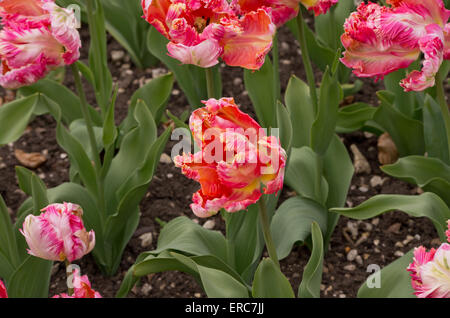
292	223
301	174
406	132
394	279
354	117
78	130
31	279
39	193
155	94
216	283
285	126
425	205
133	151
434	130
259	85
122	225
322	130
270	282
110	133
9	259
431	174
312	275
130	280
338	171
183	235
301	110
68	102
14	118
24	178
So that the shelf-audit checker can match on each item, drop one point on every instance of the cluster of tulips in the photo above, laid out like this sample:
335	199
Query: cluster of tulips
39	36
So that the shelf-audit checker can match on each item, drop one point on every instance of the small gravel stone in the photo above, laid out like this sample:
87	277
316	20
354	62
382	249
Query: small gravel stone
376	242
408	239
359	161
237	81
359	260
165	158
350	267
394	228
353	228
285	46
376	181
146	239
169	176
117	55
399	253
197	295
364	188
375	221
352	255
146	288
209	225
399	244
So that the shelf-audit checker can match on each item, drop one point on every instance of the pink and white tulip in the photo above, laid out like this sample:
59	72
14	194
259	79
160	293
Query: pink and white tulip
201	31
58	233
235	159
37	37
430	272
3	293
380	40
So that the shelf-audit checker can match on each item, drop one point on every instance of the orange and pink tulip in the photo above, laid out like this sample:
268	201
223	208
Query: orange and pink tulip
200	32
236	159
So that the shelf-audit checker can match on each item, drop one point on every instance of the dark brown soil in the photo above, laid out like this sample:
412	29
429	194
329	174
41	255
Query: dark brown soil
170	193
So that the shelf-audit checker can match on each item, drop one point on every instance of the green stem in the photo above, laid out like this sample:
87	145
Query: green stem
210	82
69	274
91	134
444	106
264	218
306	60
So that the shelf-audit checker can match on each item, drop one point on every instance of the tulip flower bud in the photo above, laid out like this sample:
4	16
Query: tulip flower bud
58	233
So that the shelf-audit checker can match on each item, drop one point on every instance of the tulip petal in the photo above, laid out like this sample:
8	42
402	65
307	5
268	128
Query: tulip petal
205	54
433	48
248	46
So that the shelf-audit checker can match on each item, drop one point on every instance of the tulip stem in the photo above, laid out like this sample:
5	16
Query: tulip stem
444	106
210	82
69	274
264	218
306	59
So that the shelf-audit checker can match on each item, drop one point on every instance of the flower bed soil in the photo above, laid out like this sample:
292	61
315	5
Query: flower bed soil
378	241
